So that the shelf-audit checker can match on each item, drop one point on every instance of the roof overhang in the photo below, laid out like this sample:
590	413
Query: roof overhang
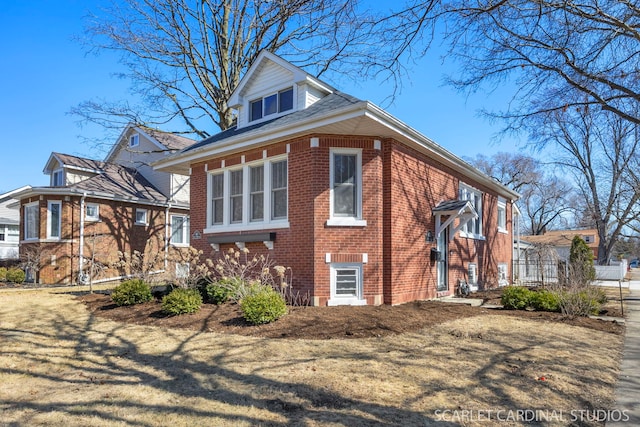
362	118
76	192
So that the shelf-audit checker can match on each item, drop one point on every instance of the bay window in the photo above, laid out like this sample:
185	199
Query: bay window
31	221
54	219
254	196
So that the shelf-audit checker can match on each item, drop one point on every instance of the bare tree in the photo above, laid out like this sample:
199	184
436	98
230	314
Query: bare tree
598	149
185	57
543	47
546	201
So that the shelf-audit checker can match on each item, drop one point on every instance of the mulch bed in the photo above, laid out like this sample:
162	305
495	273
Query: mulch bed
322	322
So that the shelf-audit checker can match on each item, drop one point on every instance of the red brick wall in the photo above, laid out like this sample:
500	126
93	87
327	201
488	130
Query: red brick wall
417	184
103	240
400	187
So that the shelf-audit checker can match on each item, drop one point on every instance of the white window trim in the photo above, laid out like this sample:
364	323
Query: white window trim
30	205
341	221
465	188
146	216
53	177
266	94
135	137
246	225
502	204
185	230
49	204
93	218
347	300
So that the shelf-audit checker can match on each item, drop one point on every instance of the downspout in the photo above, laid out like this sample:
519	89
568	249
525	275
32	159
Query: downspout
81	249
166	237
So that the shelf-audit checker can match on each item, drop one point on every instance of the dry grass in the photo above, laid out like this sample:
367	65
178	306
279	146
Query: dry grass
61	366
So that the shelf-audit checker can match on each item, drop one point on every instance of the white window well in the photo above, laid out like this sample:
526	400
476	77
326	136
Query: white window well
473	228
141	216
346	285
92	212
345	169
251	197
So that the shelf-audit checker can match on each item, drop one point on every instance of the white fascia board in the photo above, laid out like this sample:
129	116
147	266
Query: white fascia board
438	152
115	146
364	108
10	194
150	138
47	169
259	136
52	191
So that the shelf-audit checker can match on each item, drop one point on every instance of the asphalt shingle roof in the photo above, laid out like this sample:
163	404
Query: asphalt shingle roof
330	102
113	179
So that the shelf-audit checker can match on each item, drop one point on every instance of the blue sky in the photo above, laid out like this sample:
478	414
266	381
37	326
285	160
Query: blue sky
45	72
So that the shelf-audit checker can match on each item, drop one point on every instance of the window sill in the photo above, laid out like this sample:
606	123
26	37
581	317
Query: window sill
503	230
140	223
179	245
472	236
335	301
346	222
246	227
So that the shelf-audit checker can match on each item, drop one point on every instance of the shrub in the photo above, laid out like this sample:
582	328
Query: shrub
3	274
515	297
263	305
219	292
131	292
15	275
544	300
181	301
581	303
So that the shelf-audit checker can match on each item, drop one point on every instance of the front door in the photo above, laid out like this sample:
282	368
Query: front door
443	262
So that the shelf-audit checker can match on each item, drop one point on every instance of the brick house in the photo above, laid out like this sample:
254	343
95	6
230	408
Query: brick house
363	208
99	208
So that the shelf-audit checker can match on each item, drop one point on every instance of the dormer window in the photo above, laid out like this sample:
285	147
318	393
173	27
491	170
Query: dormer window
134	140
57	178
272	104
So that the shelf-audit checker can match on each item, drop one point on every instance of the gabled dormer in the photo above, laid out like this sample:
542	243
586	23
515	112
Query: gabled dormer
64	169
273	87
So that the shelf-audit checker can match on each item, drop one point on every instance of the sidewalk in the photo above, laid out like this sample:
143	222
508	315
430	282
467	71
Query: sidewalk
628	387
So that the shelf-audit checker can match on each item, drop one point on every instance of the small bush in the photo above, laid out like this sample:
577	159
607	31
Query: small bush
263	305
516	297
182	301
3	274
131	292
218	293
544	300
15	275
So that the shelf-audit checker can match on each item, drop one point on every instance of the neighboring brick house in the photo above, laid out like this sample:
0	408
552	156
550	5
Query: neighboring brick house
99	208
363	208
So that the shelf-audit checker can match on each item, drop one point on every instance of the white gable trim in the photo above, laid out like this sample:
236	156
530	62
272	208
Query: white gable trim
299	77
123	141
